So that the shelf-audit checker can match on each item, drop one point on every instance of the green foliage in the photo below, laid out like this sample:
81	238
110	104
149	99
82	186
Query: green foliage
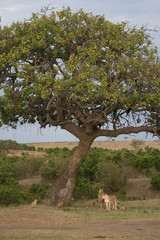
39	190
110	169
155	181
59	63
89	166
7	168
48	173
102	168
84	189
10	193
6	145
55	163
26	167
122	195
111	176
62	152
146	160
86	75
40	149
27	148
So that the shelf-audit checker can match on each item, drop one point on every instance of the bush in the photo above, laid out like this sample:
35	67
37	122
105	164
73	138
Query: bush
7	167
84	189
7	145
39	190
48	173
27	148
111	176
89	166
144	161
40	149
137	144
10	196
155	181
122	195
10	193
49	150
26	167
54	165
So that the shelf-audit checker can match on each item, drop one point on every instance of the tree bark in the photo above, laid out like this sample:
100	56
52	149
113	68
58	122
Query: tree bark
66	184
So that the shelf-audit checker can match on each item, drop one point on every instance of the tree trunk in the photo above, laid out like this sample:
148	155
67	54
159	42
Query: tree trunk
66	184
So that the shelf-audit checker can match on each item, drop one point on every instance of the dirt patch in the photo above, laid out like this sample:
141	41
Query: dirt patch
26	183
46	222
141	188
30	153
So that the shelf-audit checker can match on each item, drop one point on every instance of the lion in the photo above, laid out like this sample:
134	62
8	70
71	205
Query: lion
100	197
34	203
93	203
122	207
52	199
108	199
60	204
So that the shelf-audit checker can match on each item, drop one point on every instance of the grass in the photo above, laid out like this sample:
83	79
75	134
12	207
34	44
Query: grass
42	236
133	210
80	221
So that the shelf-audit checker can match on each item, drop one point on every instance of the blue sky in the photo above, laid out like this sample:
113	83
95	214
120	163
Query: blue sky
136	12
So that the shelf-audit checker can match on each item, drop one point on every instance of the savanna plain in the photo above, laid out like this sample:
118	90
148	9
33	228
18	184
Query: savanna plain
81	220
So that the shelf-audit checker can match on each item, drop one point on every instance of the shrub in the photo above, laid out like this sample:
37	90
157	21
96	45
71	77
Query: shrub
7	167
10	196
84	189
122	195
6	145
111	176
48	173
155	181
137	144
10	193
11	182
146	160
54	165
39	190
49	150
6	171
27	148
26	167
40	149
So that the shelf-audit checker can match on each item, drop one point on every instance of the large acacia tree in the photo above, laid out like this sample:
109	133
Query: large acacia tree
80	72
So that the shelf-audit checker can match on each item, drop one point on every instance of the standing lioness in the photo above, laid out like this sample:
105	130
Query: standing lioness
100	199
110	200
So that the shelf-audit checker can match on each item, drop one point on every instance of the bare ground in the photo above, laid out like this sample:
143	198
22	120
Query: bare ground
140	220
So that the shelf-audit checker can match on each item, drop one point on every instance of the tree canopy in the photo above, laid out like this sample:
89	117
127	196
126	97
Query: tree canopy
80	72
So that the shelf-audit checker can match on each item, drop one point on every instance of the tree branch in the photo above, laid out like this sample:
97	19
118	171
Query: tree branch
73	129
126	130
